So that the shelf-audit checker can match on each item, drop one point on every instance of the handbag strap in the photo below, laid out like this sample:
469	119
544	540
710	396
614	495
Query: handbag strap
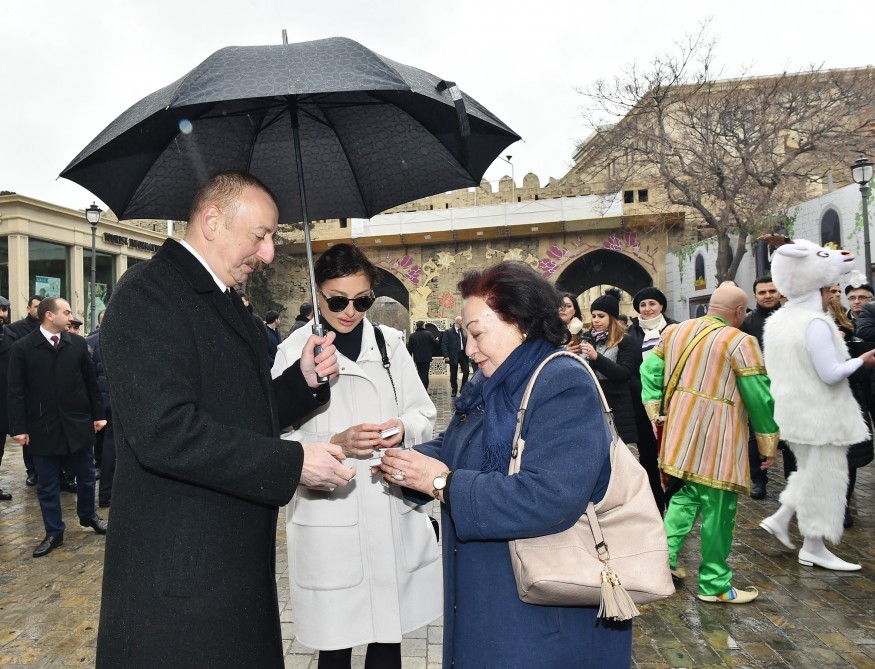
381	344
675	377
519	444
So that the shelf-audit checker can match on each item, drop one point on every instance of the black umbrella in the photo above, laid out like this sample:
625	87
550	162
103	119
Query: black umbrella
368	133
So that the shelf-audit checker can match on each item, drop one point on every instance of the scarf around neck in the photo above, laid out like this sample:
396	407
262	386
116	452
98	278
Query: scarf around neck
501	394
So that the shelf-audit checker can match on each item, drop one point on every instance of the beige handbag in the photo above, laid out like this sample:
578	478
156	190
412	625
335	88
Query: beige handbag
615	556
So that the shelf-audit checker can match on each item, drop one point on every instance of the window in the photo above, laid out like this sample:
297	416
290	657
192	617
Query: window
830	228
628	196
344	222
642	195
48	271
104	283
699	282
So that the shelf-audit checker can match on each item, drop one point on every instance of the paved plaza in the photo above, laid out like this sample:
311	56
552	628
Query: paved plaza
804	617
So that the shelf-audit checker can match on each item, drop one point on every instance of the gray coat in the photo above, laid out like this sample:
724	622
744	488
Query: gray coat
188	578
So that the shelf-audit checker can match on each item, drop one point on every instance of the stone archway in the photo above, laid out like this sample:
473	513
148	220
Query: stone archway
392	307
603	267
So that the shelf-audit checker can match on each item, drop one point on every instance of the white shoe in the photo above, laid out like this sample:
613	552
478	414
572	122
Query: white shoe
829	562
778	532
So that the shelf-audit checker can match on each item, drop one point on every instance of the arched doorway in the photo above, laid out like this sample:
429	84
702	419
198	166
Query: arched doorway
603	267
392	307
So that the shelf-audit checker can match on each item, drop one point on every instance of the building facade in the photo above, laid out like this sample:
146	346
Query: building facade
45	250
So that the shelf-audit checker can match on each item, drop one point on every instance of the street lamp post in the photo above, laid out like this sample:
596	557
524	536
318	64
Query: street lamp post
92	214
862	172
512	177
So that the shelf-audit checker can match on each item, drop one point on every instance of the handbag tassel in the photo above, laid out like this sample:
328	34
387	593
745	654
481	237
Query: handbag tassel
615	601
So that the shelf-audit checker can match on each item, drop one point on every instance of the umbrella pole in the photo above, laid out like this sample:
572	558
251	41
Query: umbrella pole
318	328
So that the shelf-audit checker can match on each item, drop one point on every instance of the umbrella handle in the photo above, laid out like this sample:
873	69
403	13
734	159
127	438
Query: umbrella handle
319	331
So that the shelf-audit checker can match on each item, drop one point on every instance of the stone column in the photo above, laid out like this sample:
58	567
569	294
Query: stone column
19	279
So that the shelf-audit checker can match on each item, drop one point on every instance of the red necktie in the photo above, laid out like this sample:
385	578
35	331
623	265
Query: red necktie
54	339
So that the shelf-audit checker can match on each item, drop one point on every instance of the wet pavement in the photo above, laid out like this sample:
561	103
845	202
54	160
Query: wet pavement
804	617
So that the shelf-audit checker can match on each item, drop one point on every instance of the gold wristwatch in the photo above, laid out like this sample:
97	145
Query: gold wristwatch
440	482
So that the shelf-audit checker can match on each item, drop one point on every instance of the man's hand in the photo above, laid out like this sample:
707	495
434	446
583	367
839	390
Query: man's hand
322	468
768	462
99	425
868	358
325	364
22	439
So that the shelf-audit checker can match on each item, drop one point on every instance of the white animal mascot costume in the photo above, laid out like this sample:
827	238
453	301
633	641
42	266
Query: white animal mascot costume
809	365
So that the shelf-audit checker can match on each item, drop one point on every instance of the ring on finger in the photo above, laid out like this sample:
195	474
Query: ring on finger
399	475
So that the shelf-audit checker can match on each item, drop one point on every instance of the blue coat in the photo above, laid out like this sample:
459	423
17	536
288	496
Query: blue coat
565	464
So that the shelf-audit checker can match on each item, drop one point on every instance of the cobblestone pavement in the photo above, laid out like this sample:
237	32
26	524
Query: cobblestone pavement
804	617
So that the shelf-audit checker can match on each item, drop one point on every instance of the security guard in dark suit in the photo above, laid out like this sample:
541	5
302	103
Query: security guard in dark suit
55	408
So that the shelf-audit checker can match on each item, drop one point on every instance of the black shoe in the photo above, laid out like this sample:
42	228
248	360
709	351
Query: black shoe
48	545
97	523
5	496
758	490
30	481
452	394
849	520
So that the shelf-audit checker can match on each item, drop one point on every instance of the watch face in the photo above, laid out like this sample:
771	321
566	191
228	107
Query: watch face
440	482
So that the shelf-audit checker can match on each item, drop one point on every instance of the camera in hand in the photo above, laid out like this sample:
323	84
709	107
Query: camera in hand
587	338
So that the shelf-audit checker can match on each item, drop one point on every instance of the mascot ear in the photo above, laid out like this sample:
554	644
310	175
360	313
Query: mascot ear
792	251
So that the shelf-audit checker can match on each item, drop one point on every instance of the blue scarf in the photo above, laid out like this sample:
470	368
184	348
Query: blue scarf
501	394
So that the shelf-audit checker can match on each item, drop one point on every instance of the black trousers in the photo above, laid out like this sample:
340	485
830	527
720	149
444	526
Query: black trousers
454	371
422	369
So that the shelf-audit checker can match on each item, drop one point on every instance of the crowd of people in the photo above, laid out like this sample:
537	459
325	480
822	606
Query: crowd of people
211	420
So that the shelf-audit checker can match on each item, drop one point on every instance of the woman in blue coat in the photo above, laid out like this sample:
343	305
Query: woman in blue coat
510	313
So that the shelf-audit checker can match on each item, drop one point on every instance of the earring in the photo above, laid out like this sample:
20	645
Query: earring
525	336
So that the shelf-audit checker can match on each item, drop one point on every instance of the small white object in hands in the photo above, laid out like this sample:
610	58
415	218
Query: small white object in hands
389	432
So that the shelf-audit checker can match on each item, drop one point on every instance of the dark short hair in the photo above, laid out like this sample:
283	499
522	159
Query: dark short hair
38	298
305	309
344	260
46	305
420	325
520	296
576	306
765	278
223	190
271	317
863	286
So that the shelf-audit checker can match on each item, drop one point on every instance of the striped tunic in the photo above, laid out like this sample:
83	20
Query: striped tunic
705	435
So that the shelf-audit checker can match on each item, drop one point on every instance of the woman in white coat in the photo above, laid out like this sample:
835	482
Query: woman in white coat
364	563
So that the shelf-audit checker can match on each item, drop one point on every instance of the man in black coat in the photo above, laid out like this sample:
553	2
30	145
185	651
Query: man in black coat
453	347
768	301
5	347
14	331
189	577
421	346
55	409
107	458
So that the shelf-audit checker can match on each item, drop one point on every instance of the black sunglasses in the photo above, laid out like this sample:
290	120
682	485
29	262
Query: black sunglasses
337	303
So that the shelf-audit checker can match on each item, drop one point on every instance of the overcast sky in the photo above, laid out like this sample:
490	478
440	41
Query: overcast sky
70	66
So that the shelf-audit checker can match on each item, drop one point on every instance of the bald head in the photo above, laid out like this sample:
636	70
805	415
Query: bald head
729	303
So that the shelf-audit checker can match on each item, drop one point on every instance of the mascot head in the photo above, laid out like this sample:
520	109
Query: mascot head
801	267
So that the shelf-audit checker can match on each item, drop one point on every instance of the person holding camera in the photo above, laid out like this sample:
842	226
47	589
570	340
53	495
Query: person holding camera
615	357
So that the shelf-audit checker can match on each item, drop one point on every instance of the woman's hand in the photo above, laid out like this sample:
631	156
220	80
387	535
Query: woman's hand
574	348
396	439
411	469
359	441
588	351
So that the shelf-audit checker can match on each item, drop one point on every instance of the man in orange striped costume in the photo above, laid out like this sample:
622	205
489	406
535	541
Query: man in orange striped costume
713	377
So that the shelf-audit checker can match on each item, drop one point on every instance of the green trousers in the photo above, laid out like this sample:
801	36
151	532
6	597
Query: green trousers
717	508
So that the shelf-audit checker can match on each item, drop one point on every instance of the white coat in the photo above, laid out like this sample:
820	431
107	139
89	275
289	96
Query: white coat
364	565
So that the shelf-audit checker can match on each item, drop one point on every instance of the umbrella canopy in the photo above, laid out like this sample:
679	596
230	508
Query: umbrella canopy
373	134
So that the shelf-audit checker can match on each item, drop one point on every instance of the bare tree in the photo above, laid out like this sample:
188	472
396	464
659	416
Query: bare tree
734	152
